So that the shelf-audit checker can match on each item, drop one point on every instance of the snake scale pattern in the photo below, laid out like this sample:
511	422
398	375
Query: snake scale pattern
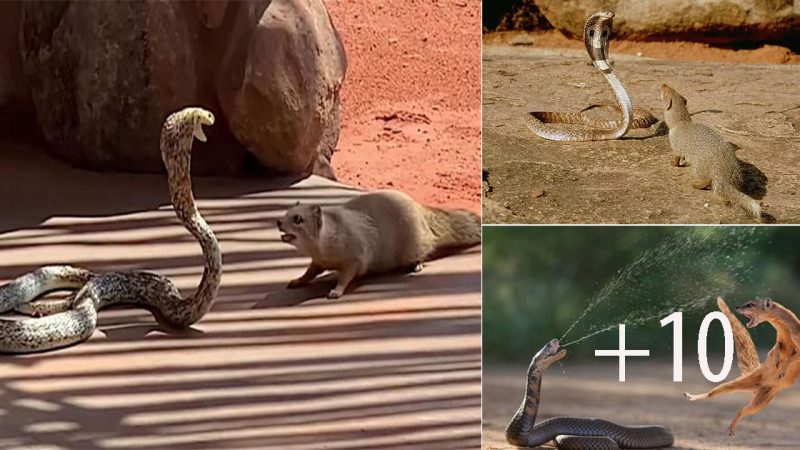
596	36
573	433
73	320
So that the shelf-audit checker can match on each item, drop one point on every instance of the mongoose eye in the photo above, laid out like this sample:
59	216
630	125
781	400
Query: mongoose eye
297	220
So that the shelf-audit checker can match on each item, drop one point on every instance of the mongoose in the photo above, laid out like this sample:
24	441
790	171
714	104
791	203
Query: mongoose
372	233
780	369
712	160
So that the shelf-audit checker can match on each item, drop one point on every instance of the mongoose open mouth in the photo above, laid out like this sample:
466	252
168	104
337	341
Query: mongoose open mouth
288	238
751	320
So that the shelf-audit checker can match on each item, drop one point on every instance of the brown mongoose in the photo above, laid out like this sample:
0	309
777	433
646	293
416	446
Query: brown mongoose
780	369
712	160
372	233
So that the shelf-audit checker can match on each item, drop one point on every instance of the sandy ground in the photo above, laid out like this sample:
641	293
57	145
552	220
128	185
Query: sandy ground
591	389
395	364
631	181
411	99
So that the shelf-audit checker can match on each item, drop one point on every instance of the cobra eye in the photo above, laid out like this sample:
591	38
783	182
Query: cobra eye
297	220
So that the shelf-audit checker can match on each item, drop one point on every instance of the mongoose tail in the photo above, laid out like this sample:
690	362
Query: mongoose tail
453	229
729	193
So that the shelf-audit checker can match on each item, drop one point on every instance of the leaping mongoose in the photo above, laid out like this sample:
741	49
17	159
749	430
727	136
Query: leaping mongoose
373	233
712	159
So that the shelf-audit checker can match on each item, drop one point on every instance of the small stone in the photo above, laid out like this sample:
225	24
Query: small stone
537	194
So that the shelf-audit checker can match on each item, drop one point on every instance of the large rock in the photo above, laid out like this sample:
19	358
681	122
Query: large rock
715	21
278	83
104	75
13	86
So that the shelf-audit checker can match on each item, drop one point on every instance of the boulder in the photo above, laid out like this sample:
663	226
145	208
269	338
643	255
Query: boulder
13	86
713	21
278	83
102	76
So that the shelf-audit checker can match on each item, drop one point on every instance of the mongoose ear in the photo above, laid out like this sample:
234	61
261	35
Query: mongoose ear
298	203
684	99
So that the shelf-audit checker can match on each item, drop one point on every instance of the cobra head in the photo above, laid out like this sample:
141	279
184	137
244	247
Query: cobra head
596	34
756	311
548	355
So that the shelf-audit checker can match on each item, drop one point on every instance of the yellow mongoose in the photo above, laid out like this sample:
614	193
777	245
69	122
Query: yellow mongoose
373	233
780	369
712	160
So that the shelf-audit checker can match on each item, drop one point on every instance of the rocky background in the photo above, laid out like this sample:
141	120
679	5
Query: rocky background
712	21
95	81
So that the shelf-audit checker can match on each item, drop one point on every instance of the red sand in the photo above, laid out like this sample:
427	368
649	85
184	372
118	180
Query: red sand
411	99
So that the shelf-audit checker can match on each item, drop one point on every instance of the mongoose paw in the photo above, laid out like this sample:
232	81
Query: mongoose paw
689	396
732	432
417	268
334	294
296	283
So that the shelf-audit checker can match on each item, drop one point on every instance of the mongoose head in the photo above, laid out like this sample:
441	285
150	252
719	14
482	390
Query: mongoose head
757	311
669	95
674	106
597	33
301	225
548	355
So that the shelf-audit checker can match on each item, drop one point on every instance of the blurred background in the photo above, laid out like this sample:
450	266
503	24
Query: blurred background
752	31
541	282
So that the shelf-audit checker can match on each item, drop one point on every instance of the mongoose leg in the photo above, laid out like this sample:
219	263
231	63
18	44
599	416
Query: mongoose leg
346	275
743	383
760	401
677	161
746	354
312	272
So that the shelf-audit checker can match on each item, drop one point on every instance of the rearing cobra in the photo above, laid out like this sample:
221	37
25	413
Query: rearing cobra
596	36
573	433
73	320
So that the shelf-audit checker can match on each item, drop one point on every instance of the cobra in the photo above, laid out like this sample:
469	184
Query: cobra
596	37
73	320
574	433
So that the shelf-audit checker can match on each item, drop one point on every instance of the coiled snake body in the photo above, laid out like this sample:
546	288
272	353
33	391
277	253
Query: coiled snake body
596	36
573	433
73	320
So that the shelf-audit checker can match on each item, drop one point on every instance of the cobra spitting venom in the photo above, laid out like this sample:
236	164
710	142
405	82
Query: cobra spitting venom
596	36
574	433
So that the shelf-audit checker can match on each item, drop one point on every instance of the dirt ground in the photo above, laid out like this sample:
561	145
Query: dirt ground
411	99
647	397
394	364
754	106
